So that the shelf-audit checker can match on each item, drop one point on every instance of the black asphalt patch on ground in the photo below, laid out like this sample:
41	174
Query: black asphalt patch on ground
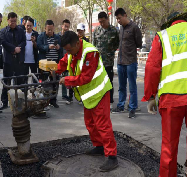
146	158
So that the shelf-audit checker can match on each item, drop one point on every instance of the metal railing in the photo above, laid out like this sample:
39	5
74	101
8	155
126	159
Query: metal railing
142	56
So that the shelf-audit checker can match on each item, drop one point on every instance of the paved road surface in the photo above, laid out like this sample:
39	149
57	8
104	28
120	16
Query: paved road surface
67	121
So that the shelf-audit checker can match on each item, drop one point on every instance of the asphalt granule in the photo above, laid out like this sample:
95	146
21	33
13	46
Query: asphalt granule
146	158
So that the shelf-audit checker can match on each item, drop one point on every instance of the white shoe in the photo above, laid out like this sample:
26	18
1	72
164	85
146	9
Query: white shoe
47	108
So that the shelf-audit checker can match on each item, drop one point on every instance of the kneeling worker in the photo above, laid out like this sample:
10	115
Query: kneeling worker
91	84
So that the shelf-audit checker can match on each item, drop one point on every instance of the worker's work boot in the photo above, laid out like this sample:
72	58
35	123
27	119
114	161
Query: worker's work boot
110	164
97	151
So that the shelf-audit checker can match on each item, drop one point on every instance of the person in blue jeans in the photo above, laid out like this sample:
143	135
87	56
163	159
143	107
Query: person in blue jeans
130	38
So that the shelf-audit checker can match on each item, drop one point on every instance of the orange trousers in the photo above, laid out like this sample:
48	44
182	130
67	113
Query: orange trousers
172	119
98	123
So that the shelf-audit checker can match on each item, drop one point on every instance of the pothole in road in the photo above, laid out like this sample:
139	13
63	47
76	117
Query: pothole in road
66	158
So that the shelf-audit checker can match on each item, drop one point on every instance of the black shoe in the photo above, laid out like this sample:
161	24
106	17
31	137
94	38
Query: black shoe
97	151
110	164
3	107
132	114
55	105
117	110
1	111
69	101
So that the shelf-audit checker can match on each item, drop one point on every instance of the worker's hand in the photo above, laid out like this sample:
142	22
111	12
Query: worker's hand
57	47
62	81
51	46
17	50
152	106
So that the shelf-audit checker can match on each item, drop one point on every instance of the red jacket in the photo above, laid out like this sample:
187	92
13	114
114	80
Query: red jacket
152	77
88	70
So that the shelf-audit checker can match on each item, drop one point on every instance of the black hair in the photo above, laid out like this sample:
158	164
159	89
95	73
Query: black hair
1	16
102	15
31	20
65	21
49	22
120	11
69	37
26	17
12	15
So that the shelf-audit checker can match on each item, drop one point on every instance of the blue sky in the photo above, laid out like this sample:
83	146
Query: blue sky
2	4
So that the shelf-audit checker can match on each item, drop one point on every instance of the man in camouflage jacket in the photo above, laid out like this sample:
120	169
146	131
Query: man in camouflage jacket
106	40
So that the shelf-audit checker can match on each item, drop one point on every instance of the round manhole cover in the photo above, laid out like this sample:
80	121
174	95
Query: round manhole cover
88	166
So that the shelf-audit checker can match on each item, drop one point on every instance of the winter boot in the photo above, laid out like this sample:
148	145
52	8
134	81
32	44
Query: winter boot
110	164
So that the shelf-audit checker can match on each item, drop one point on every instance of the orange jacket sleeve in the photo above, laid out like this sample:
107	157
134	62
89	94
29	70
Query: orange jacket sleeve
62	65
153	70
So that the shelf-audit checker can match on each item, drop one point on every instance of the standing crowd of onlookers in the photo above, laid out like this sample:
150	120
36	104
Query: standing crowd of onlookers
23	48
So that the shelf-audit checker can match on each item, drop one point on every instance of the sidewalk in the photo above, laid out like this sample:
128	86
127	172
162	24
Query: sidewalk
67	121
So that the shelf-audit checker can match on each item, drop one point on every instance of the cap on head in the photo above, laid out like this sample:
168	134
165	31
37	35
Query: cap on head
80	26
173	17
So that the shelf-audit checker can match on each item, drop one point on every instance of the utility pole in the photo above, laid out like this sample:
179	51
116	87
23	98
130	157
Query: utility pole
113	13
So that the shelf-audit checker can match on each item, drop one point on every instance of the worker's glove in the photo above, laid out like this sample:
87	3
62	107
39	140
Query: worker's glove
152	106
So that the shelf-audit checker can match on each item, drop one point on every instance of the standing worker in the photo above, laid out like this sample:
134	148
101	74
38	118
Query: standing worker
91	84
106	40
166	73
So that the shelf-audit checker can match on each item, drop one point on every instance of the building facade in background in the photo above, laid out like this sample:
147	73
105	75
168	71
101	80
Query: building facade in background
66	3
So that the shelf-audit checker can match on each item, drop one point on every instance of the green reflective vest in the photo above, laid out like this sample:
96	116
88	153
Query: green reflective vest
173	79
92	92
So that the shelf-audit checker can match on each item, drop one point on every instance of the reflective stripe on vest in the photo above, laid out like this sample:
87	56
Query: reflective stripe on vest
86	50
173	77
98	72
96	90
170	58
176	76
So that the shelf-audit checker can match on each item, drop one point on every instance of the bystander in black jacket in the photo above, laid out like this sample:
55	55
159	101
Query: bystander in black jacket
43	46
13	64
6	37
